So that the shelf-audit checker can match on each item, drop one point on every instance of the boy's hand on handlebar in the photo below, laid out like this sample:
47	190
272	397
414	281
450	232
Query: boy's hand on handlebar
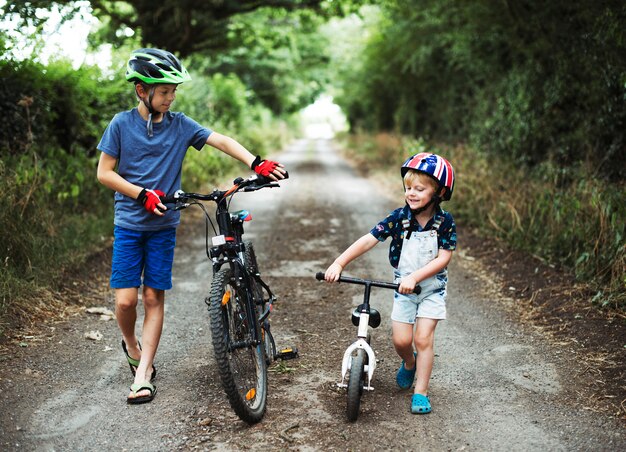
151	200
333	272
407	285
268	168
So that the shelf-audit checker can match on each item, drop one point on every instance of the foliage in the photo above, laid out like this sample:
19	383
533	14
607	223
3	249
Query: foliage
191	26
531	80
279	56
277	53
573	220
54	207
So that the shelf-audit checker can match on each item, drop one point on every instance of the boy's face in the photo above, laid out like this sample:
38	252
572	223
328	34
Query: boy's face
163	96
419	190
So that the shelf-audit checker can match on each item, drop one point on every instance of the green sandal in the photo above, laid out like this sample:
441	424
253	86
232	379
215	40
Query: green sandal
137	387
134	363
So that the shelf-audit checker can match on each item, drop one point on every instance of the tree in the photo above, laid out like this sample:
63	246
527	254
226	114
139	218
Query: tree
181	26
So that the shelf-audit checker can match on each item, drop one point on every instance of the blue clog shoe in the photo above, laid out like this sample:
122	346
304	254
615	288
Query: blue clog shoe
420	404
404	376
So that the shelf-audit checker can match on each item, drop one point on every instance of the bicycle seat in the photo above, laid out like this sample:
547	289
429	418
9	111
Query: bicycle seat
374	320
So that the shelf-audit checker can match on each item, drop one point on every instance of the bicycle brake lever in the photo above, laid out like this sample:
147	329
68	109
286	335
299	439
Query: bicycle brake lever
181	205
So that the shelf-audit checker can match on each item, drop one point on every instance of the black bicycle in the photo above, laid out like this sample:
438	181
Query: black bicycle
240	302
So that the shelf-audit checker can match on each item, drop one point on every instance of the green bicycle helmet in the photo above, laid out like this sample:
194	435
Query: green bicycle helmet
152	66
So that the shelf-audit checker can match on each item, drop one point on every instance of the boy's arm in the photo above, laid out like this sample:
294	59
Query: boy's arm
108	177
237	151
361	246
408	283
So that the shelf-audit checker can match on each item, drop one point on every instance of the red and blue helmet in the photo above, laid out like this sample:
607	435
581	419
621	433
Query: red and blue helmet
435	166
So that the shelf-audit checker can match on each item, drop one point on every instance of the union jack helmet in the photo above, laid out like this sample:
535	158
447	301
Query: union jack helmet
435	166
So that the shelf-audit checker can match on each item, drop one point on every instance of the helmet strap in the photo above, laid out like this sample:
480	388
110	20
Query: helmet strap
424	207
148	104
436	200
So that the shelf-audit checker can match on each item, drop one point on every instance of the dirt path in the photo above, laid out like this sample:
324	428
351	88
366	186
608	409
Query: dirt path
496	385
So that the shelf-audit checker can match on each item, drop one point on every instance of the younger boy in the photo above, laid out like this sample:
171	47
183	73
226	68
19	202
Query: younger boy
147	145
423	238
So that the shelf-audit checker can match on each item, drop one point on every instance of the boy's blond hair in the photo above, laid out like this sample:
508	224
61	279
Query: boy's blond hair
411	176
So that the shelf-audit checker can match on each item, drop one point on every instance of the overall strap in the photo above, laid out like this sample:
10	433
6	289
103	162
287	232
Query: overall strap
437	222
408	226
411	225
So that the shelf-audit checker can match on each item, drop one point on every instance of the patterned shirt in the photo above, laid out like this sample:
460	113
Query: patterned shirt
400	220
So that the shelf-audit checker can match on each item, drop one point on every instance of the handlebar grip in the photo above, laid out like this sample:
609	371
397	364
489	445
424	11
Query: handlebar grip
169	199
262	180
319	276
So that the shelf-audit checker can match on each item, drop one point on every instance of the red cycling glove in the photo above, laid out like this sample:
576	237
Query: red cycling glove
263	167
150	199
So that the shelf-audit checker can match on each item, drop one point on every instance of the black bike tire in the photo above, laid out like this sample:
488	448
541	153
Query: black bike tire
252	266
355	384
222	320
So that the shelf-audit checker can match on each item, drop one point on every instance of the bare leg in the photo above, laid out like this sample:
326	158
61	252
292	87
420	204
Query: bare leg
402	335
424	339
126	314
154	303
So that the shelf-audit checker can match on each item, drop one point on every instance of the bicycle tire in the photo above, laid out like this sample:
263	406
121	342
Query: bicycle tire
243	370
355	384
252	266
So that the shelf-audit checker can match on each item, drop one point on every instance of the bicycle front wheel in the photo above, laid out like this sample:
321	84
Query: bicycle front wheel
355	384
240	357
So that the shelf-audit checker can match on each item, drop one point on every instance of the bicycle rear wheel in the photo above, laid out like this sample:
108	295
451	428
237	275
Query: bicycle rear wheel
356	383
240	359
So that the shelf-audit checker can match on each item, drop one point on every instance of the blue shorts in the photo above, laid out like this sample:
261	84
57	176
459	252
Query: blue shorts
147	252
430	303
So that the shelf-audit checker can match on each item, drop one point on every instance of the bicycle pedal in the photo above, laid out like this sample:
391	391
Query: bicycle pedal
287	353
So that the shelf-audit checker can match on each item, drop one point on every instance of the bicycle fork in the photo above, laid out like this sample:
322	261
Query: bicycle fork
360	343
369	368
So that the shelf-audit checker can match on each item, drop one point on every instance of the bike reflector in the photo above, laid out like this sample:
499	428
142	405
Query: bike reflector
218	240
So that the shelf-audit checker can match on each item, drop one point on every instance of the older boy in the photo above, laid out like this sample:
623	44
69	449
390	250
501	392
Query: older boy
147	145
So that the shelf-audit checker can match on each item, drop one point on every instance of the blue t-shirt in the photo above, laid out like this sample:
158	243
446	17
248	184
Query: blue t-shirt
399	221
150	162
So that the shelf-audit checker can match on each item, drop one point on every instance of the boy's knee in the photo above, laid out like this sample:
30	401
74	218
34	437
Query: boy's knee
126	304
152	298
401	342
423	342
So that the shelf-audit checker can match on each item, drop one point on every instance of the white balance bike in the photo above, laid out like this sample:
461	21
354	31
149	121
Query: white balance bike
359	360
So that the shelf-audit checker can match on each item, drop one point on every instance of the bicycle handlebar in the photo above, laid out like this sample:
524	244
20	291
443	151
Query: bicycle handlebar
252	183
367	282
